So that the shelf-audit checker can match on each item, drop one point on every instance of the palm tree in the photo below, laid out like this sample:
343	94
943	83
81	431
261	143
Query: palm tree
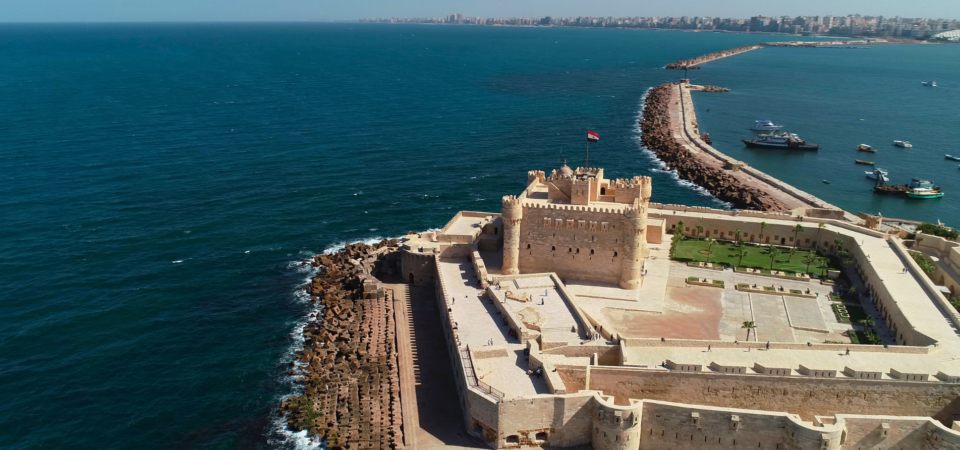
749	326
820	227
679	227
839	243
796	233
742	251
762	226
710	243
955	302
809	259
699	230
738	233
867	323
774	252
792	251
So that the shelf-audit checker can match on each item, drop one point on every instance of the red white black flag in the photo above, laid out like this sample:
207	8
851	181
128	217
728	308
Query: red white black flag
592	137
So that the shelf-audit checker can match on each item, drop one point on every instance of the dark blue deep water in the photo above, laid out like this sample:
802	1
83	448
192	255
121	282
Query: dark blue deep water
158	184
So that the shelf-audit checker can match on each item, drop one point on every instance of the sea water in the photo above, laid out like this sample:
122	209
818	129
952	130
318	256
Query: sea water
161	183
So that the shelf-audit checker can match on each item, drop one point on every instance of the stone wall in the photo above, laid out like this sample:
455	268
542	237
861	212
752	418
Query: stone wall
418	268
683	426
565	419
805	396
566	250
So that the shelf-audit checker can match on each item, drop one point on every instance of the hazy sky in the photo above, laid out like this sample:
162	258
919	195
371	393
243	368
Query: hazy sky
296	10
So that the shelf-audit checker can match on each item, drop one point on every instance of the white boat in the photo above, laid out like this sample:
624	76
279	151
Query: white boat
904	144
765	125
873	174
929	83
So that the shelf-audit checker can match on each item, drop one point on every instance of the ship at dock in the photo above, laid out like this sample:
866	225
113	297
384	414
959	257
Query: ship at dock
789	141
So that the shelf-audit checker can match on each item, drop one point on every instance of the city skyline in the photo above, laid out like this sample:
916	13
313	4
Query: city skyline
326	10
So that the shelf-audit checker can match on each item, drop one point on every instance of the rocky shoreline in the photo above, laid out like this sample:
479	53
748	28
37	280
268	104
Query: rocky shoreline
657	137
692	64
349	363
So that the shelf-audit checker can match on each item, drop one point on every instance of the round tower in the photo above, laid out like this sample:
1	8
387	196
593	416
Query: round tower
634	246
512	215
616	427
646	190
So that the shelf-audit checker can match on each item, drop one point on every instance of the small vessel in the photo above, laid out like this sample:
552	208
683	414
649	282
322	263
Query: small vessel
929	83
783	140
879	172
904	144
866	148
826	182
925	193
765	125
866	163
955	158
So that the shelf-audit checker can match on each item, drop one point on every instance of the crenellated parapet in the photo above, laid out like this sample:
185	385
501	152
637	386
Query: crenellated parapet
537	175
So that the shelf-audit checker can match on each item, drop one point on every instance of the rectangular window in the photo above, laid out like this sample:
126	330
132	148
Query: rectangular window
547	222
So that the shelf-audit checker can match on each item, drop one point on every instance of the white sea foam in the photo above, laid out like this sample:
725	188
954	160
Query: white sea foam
178	262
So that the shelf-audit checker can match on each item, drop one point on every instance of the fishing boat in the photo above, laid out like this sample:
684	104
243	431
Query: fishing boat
903	144
929	83
765	125
788	141
925	193
826	182
878	173
866	148
866	163
955	158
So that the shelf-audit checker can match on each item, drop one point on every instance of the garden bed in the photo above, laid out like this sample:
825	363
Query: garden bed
697	281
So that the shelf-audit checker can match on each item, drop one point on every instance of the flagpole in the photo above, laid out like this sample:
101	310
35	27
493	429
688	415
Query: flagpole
588	153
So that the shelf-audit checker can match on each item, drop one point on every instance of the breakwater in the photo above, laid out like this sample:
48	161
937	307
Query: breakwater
349	364
659	136
694	63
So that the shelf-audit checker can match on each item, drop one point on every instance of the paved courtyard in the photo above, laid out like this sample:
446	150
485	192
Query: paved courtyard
697	312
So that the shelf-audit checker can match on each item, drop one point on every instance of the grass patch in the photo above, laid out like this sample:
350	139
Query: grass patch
758	257
856	314
796	291
720	282
769	288
693	279
743	285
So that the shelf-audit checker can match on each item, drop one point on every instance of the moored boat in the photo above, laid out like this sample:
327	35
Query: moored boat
866	148
765	125
903	144
955	158
866	163
789	141
873	175
925	193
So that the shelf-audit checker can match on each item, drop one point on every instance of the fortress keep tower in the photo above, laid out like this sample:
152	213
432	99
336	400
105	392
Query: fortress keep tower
578	224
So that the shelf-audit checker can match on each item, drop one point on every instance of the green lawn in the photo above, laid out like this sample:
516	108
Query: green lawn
757	256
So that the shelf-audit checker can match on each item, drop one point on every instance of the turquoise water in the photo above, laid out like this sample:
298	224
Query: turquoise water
159	183
840	98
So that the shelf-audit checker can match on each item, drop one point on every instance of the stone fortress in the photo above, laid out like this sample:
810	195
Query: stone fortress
568	325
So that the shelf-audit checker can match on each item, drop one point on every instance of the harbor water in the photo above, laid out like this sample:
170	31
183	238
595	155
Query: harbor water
161	182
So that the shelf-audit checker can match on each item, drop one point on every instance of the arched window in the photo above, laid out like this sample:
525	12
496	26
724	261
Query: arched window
554	248
578	250
614	254
570	250
591	251
528	246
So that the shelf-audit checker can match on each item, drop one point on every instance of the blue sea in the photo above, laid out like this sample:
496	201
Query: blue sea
160	183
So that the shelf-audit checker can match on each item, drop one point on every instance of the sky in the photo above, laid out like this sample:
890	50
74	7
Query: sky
300	10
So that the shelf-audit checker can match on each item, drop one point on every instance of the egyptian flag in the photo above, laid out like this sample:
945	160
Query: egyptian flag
592	137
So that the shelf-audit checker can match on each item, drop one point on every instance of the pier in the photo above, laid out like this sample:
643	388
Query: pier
694	63
730	173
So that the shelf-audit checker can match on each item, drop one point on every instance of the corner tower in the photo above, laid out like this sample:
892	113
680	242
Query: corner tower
634	245
512	212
